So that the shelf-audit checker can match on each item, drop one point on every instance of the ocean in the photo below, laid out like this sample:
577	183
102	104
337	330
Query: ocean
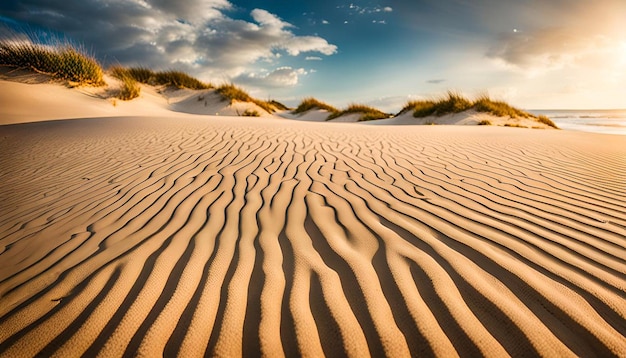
596	121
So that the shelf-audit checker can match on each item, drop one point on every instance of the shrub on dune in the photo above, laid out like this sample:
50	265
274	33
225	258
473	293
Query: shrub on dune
310	103
367	113
61	60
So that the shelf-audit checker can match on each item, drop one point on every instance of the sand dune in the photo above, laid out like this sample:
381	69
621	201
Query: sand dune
229	237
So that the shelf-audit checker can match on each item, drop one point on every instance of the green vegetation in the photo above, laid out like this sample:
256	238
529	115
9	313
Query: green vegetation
233	93
367	113
484	122
61	60
456	103
130	89
310	103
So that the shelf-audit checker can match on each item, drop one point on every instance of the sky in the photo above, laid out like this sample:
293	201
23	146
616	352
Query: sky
535	54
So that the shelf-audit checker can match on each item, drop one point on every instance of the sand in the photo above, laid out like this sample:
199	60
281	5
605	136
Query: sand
225	236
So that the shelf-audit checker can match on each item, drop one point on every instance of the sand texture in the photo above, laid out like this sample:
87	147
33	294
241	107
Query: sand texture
230	236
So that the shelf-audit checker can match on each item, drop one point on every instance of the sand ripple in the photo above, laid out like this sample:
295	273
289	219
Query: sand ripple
150	237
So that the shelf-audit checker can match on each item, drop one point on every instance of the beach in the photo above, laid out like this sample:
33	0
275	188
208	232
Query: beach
226	236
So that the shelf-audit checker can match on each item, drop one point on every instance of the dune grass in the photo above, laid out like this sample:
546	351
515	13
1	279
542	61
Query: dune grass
279	106
172	78
367	113
250	113
547	121
310	103
59	59
130	88
454	102
232	93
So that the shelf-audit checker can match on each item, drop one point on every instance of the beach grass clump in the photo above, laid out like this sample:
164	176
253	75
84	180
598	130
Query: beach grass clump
310	103
180	79
61	60
250	113
420	109
547	121
484	122
498	108
232	93
171	78
142	75
367	113
279	106
130	88
454	102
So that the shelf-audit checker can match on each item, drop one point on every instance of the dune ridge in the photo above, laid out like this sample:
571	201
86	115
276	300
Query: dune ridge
229	237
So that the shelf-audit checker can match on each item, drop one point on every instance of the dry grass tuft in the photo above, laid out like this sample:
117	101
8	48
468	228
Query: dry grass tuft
233	93
60	59
454	102
310	103
367	113
130	88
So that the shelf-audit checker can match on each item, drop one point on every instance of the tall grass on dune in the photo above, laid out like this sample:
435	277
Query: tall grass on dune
172	78
454	102
60	59
180	79
310	103
130	88
232	93
367	113
279	106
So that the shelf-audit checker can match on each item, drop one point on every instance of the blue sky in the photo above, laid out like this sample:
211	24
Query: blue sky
535	54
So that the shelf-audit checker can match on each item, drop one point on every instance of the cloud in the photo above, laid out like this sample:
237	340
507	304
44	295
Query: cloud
387	9
313	58
325	22
550	49
562	34
437	81
191	35
280	77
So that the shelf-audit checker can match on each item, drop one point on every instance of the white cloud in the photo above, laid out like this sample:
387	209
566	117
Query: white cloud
280	77
313	58
294	45
325	22
550	49
193	35
387	9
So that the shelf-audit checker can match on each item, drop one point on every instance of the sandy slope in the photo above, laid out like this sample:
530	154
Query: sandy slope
27	97
228	236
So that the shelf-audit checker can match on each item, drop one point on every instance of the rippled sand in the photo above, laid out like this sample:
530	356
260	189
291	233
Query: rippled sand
229	237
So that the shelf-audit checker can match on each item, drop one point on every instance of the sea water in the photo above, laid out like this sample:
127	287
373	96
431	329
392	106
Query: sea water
596	121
